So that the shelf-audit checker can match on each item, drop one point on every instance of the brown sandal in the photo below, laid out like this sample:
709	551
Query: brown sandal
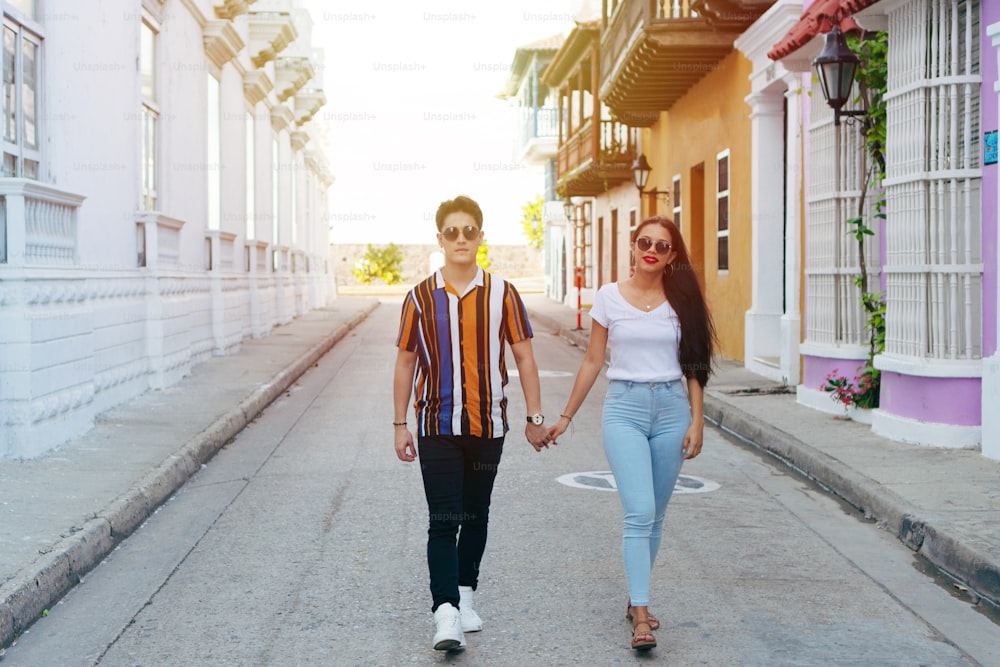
642	641
654	623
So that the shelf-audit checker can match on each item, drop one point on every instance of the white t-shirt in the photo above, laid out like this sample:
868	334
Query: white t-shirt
644	344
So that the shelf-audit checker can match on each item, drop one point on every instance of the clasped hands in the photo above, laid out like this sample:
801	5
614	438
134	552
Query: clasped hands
541	436
538	436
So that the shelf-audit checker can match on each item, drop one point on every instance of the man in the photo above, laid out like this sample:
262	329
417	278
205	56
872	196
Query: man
452	332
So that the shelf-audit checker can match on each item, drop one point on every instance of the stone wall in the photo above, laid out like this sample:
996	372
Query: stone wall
507	261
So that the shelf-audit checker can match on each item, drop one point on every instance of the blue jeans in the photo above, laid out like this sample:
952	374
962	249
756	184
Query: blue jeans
643	427
458	473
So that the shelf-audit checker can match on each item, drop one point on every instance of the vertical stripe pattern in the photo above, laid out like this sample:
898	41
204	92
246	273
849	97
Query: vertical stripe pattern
460	341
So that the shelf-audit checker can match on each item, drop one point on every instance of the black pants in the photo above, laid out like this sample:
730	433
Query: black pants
458	474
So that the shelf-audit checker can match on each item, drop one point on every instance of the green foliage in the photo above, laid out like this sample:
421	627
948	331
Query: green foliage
531	221
383	263
482	256
871	78
861	392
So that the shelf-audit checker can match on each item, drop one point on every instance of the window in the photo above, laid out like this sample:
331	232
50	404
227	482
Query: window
633	222
722	209
150	114
22	70
677	200
582	240
293	200
614	245
251	190
213	155
275	166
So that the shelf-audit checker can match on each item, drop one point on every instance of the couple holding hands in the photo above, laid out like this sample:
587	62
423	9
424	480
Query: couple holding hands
453	330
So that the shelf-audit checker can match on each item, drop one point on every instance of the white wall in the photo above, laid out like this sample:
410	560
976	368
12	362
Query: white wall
92	327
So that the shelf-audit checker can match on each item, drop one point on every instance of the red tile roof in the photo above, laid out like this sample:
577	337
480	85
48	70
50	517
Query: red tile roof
817	19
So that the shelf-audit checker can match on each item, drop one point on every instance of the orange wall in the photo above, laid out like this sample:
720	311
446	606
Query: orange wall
709	119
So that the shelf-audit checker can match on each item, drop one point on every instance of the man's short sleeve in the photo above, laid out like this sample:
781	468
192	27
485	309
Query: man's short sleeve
409	322
516	317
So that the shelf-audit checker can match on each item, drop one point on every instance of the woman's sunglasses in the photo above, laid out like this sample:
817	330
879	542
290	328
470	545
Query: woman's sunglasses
470	232
644	243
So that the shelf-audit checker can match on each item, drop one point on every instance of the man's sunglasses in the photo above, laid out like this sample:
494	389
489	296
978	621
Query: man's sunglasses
644	243
470	232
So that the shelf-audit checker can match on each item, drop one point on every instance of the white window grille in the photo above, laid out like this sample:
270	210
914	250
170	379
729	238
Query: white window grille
837	169
934	263
150	114
722	209
21	63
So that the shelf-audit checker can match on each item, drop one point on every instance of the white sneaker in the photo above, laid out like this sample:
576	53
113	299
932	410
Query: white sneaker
449	628
470	619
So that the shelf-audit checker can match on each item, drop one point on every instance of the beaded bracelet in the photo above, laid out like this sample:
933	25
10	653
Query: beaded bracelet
399	423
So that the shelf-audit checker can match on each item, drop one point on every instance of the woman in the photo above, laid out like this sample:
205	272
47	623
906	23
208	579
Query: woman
661	334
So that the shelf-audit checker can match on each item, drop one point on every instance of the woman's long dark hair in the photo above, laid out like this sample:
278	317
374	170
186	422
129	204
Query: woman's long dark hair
680	284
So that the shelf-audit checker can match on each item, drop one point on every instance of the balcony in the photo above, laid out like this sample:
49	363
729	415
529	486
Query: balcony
594	160
290	74
270	33
654	51
222	41
308	101
230	9
538	135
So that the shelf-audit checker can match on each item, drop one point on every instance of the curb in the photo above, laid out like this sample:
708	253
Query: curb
941	546
938	544
28	594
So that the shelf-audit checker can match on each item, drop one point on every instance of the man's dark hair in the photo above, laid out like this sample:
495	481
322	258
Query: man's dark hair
460	204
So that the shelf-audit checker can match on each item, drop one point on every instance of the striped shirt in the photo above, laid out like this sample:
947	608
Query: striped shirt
460	341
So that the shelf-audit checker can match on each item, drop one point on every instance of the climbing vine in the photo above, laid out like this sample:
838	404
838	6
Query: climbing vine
872	79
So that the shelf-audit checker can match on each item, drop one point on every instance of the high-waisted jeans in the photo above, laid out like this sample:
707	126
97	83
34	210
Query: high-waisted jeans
458	473
643	427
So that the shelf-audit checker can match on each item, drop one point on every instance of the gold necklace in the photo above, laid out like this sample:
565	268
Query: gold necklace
642	293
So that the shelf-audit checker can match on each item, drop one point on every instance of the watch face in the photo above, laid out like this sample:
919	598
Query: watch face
537	419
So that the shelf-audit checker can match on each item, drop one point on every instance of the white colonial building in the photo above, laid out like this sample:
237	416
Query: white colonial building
162	197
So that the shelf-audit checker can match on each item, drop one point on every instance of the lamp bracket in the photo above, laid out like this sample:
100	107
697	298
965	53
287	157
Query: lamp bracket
657	194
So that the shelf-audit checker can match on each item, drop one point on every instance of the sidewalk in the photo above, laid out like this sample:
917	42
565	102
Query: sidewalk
60	514
941	503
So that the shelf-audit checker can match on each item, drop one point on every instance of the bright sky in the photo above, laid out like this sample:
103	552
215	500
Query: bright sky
412	113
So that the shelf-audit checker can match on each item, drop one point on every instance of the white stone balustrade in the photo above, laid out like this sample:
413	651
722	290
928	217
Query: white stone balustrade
37	224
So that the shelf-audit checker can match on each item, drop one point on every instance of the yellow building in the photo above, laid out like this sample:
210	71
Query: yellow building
700	149
671	69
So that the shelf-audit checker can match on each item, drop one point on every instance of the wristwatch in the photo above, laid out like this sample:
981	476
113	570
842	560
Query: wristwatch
537	419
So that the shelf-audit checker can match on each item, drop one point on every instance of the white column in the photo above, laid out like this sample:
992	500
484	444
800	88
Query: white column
791	320
763	320
991	365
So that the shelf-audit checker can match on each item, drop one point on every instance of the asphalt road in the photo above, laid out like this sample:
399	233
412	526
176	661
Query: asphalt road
302	543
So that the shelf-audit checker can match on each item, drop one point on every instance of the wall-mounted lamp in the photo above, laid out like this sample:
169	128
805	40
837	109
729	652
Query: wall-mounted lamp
568	208
640	171
835	68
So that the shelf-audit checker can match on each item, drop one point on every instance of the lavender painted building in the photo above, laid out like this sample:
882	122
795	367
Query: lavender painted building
935	256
